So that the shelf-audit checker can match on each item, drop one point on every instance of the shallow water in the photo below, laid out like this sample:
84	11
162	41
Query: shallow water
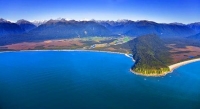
88	80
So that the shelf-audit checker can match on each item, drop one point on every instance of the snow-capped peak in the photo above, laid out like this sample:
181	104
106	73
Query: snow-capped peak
196	23
38	23
4	21
22	21
122	20
176	23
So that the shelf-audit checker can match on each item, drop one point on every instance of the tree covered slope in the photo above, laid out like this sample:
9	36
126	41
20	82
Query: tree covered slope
150	54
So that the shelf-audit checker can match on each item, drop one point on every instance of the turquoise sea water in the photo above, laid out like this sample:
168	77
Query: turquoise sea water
91	80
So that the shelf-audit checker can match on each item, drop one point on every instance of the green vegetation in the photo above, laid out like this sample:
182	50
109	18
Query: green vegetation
151	55
126	39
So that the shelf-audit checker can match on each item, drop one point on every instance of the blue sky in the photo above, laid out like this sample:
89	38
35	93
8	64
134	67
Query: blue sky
162	11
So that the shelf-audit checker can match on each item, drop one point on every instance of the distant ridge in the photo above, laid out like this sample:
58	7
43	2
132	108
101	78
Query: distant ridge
119	20
24	30
195	26
196	36
26	25
9	28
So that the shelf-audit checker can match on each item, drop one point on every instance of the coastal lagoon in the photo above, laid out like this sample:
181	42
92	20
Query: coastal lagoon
91	80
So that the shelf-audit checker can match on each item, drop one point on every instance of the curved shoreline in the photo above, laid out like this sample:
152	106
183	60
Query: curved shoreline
65	50
177	65
127	55
171	67
150	75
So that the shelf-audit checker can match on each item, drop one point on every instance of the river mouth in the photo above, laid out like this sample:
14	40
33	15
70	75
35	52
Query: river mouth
52	79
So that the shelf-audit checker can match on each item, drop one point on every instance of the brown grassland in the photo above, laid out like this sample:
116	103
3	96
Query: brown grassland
181	54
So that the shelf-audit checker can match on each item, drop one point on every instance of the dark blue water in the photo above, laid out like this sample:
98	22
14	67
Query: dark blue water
91	80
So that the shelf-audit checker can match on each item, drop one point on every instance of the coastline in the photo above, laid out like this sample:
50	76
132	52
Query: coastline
64	50
171	67
150	75
177	65
67	50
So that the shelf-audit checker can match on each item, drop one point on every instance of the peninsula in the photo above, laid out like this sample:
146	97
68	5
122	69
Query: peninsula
155	57
157	48
151	56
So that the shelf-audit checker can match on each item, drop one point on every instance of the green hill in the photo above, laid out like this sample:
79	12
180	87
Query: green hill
151	55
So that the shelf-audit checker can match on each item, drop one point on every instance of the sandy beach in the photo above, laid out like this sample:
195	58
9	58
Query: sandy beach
68	51
174	66
171	67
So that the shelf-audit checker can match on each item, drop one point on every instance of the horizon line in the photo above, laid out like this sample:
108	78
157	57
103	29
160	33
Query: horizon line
118	20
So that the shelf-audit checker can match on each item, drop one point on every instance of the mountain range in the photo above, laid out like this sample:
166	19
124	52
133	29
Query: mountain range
26	25
196	36
23	30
